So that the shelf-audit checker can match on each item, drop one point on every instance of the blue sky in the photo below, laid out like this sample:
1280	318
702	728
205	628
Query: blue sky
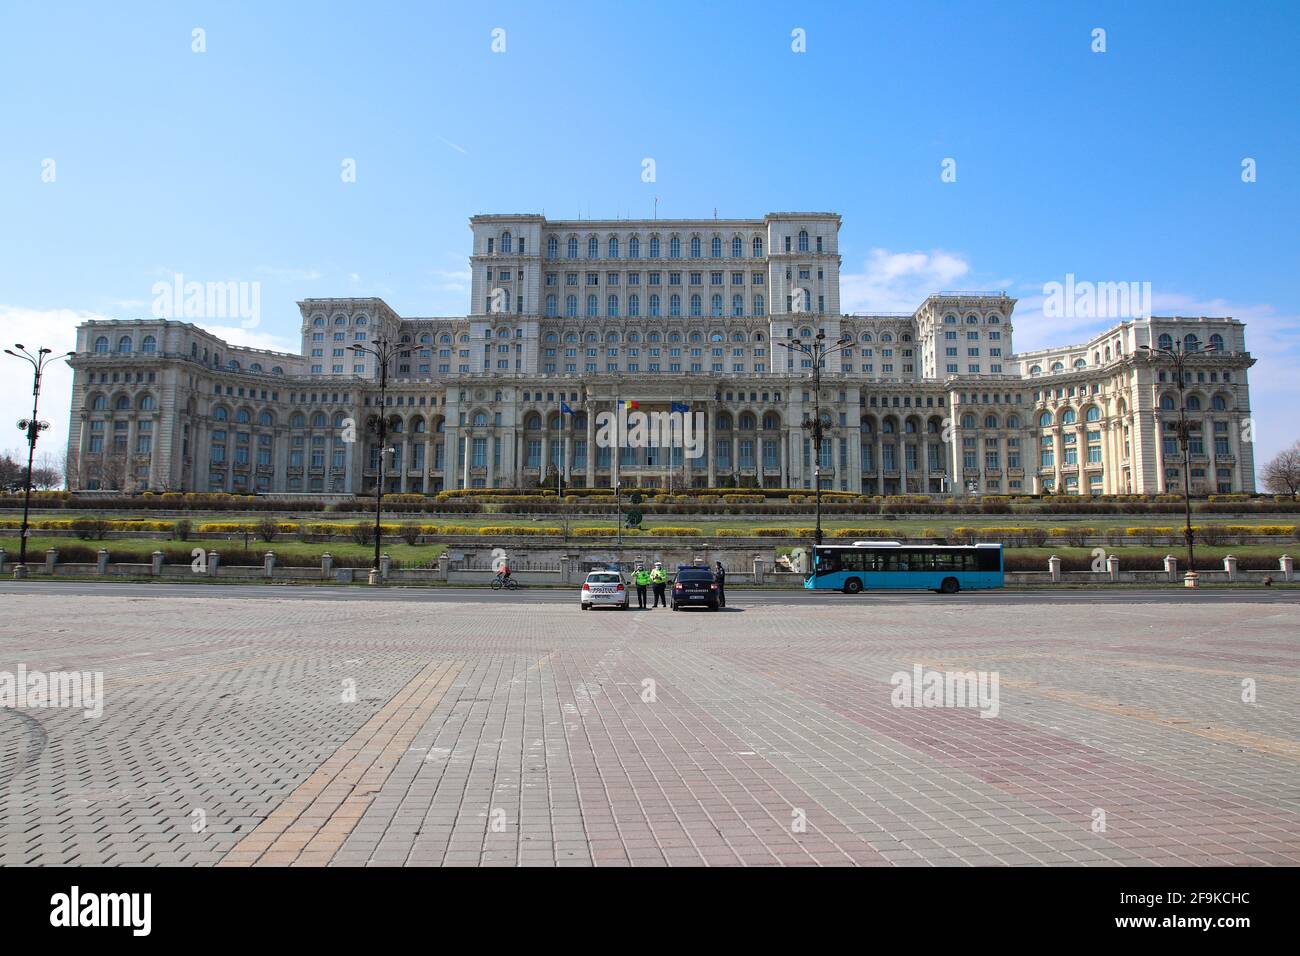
1115	166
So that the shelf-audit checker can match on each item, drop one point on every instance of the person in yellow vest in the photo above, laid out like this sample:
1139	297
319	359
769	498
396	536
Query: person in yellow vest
642	579
659	578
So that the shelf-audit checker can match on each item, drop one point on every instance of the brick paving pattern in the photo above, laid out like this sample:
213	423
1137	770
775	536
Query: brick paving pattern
353	733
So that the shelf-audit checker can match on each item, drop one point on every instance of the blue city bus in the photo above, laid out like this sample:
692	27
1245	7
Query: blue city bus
886	565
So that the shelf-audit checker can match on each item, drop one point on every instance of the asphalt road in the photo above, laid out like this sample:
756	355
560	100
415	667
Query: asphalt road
738	598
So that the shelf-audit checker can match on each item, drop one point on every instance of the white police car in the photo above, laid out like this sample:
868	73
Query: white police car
604	589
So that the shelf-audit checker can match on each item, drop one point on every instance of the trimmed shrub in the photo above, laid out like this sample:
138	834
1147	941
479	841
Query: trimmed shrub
497	530
90	529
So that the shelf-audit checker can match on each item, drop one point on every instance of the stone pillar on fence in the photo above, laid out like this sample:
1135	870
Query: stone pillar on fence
1230	565
444	563
385	563
1285	564
1054	569
156	570
760	569
51	559
268	564
326	566
3	558
1112	567
1171	567
214	562
101	562
564	569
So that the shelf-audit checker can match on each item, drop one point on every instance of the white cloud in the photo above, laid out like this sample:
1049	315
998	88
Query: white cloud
252	338
899	281
54	329
290	274
453	280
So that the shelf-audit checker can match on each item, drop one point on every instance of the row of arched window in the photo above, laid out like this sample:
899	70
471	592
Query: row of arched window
806	333
889	425
993	318
318	321
1190	342
148	345
145	402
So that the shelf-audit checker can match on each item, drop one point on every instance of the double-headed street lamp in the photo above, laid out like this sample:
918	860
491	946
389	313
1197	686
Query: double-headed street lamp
384	352
32	427
1179	357
818	350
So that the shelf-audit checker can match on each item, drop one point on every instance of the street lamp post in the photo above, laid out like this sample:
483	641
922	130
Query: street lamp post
383	351
1179	357
32	427
818	351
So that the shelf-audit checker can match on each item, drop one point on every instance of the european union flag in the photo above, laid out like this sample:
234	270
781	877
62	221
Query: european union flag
681	407
565	409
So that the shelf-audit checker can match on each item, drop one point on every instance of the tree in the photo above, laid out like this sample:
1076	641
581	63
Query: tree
110	471
1282	475
12	473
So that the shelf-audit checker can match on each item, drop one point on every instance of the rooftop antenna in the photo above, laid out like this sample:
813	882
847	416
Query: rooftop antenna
656	207
715	213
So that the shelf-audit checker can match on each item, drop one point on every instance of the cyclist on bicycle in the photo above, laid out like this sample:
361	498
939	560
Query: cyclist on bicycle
504	572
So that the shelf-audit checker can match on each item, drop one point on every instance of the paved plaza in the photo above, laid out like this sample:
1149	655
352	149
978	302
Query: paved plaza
351	732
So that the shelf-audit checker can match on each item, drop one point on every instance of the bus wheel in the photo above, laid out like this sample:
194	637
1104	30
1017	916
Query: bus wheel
949	586
852	586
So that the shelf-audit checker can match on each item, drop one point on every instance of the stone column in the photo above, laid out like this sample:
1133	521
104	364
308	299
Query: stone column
614	451
128	480
1058	454
156	569
101	562
710	453
591	444
268	564
84	447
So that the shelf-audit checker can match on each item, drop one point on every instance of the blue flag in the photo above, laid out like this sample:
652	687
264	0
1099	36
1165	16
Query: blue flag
681	407
565	409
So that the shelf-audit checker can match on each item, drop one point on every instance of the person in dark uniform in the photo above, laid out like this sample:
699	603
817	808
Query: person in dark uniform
720	573
659	578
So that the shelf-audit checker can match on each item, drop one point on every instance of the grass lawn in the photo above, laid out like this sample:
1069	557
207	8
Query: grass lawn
1250	557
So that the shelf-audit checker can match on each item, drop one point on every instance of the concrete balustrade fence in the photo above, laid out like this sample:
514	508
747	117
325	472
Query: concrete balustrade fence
570	568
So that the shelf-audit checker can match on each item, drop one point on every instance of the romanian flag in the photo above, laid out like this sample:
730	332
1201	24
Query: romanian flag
630	404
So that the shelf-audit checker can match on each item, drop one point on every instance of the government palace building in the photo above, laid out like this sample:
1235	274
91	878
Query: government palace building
569	318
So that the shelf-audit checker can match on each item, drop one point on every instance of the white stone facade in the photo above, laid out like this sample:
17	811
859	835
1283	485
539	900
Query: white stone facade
692	312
